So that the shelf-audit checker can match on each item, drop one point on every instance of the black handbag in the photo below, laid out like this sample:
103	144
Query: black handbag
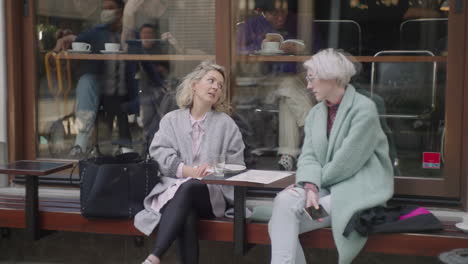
398	219
115	187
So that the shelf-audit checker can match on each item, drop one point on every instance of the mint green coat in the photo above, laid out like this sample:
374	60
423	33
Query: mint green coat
353	163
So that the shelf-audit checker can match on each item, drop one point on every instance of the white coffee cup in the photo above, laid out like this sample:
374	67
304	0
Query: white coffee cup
81	46
112	47
270	46
465	219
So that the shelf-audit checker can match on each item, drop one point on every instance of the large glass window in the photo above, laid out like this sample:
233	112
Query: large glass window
399	46
110	98
108	70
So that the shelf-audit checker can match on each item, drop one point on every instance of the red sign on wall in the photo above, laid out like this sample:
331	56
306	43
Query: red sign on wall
431	160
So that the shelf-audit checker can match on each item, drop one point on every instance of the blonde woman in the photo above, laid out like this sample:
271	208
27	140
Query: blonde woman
345	154
182	147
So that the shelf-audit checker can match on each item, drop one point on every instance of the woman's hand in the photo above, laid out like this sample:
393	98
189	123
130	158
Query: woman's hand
173	41
312	199
170	38
132	6
199	172
64	43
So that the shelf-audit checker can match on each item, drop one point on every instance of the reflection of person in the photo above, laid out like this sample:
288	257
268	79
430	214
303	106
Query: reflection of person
101	81
182	147
89	10
271	18
154	80
295	103
345	154
139	12
293	98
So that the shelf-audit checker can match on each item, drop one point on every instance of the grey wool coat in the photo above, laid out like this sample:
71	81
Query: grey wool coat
353	163
172	144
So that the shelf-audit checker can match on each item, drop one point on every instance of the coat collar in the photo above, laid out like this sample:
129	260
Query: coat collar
345	105
187	124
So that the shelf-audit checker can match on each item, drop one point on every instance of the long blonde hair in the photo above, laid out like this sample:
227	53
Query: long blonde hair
184	95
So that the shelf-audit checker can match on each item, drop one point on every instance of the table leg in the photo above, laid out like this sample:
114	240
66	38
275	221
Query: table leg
32	204
240	245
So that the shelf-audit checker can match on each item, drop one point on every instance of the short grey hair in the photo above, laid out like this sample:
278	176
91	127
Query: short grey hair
332	64
184	96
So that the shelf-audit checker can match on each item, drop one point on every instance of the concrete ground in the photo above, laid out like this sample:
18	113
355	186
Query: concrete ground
68	247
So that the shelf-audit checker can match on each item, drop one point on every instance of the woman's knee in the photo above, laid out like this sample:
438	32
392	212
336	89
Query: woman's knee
191	187
285	209
289	199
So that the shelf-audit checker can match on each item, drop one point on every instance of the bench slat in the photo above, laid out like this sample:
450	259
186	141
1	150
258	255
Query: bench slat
43	206
21	198
65	216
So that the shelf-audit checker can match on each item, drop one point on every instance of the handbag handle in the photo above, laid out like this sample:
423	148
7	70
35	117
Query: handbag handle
125	157
71	174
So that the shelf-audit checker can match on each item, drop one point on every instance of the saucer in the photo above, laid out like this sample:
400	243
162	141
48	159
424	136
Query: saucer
78	51
234	167
296	41
269	52
111	52
462	226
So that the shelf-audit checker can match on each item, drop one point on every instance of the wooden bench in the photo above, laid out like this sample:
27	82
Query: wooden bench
64	215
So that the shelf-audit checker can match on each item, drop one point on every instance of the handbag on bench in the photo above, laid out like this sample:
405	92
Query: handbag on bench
115	187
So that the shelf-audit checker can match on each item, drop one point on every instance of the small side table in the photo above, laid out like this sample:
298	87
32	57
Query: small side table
240	194
32	170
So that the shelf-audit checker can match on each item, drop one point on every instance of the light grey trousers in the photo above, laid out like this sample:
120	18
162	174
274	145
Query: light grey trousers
288	220
295	103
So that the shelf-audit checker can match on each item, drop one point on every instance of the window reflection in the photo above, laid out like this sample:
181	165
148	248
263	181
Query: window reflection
119	102
93	101
271	94
380	20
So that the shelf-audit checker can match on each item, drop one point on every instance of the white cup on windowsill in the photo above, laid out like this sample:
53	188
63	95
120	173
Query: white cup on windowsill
463	225
81	46
112	47
270	46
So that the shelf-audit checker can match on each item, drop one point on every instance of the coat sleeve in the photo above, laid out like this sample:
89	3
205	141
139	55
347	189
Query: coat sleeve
309	168
235	148
164	148
356	149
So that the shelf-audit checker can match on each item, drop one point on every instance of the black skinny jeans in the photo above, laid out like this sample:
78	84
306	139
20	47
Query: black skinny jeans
179	220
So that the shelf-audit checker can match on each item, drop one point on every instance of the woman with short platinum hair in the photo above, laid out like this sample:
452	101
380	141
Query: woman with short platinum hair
344	155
